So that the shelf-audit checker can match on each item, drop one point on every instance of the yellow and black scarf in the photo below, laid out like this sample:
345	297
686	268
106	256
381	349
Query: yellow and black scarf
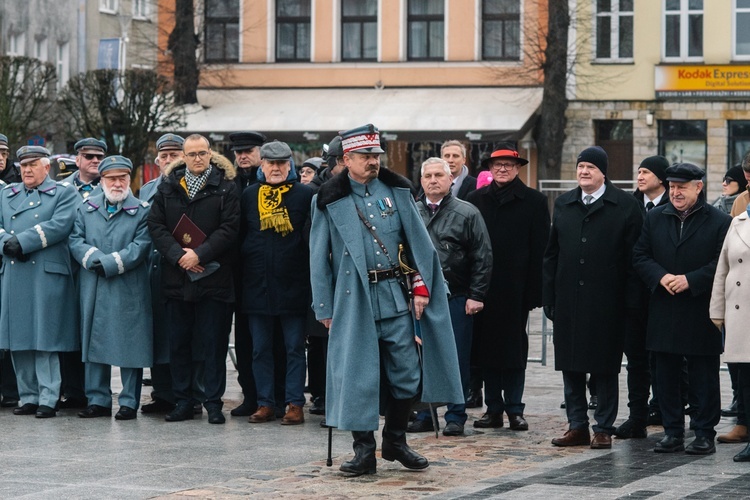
274	215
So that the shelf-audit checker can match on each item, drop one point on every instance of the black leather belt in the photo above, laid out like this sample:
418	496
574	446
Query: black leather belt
375	276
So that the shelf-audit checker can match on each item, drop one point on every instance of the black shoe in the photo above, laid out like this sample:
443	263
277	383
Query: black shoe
94	411
27	409
489	421
631	429
158	406
215	416
654	417
246	409
517	422
73	403
126	413
146	381
318	406
400	451
475	399
593	403
364	461
420	426
453	429
701	445
183	411
562	405
323	424
731	410
198	408
743	456
9	403
45	412
670	444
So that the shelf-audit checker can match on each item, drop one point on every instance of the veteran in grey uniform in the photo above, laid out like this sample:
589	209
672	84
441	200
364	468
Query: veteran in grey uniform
111	242
359	219
36	217
89	153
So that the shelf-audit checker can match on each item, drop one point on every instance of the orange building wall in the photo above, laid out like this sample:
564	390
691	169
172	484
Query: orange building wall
462	25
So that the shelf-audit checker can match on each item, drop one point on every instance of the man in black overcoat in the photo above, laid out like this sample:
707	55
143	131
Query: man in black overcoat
589	285
676	257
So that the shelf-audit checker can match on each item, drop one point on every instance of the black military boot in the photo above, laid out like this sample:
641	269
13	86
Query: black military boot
364	461
394	435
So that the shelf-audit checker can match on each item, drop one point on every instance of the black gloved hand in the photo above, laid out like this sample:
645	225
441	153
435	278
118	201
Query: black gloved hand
98	268
12	247
549	311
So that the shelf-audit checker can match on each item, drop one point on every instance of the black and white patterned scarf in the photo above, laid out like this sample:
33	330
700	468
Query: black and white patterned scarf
195	183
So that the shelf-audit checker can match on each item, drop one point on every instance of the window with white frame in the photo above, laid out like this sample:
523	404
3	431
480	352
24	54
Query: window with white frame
141	9
741	36
40	49
614	29
63	64
17	44
108	6
683	30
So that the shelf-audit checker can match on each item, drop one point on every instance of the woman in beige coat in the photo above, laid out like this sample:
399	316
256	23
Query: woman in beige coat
730	308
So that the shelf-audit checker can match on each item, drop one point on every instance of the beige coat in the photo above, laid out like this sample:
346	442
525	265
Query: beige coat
730	298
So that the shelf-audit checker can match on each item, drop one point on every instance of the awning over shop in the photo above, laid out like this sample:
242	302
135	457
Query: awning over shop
490	113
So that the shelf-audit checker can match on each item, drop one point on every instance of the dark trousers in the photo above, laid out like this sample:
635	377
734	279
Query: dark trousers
639	373
73	375
576	404
199	331
317	354
734	377
743	392
8	385
243	348
703	393
653	405
503	390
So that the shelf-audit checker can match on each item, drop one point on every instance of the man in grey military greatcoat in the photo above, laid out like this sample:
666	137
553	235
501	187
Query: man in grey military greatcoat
36	217
110	241
360	217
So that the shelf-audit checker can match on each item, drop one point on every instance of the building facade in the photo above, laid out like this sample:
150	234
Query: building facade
668	77
423	71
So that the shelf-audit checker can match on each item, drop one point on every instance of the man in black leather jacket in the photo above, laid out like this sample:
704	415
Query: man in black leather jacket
463	245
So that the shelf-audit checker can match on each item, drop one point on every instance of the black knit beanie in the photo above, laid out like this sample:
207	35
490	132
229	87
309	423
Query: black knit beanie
595	155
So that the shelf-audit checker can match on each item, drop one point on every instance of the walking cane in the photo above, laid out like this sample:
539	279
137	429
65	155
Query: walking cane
329	460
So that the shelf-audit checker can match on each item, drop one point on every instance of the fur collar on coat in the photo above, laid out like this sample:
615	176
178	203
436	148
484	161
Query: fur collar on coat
338	187
217	160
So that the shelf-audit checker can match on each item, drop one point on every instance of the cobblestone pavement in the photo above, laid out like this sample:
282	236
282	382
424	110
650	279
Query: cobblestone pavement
69	457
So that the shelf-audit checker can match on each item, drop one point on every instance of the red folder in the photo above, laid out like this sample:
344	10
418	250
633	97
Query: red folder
187	234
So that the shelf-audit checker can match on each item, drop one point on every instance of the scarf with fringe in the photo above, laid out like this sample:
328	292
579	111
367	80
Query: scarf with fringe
274	215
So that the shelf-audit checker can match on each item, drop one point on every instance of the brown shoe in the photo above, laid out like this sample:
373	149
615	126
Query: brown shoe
294	416
573	437
737	435
601	441
264	414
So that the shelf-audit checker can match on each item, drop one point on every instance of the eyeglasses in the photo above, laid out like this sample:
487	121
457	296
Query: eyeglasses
202	154
91	156
503	166
728	180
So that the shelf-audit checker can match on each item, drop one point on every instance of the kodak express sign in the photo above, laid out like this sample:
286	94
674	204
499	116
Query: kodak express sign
702	81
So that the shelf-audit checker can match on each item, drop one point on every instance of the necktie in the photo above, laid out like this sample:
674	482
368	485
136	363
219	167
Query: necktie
588	199
433	208
649	205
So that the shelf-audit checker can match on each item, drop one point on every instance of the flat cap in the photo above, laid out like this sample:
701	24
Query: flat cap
275	150
26	153
90	145
115	162
246	140
3	141
169	142
314	163
364	139
684	172
335	148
